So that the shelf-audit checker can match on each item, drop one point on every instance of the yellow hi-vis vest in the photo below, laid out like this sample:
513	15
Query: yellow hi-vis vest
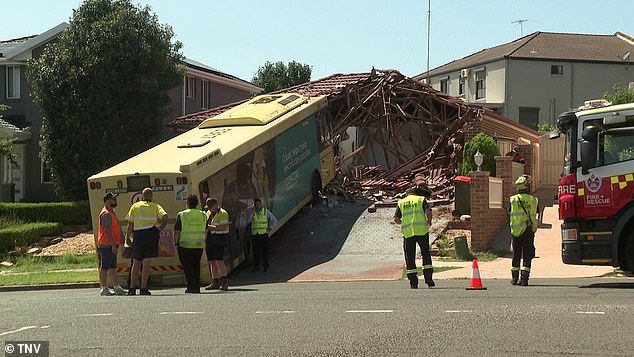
259	222
413	219
193	228
518	217
220	218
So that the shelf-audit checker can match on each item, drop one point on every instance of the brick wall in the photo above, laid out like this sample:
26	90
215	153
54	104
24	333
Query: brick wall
472	128
486	221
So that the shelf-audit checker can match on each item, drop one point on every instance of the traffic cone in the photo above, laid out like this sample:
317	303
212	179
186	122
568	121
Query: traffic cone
476	282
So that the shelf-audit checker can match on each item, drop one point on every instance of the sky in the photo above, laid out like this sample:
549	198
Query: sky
342	36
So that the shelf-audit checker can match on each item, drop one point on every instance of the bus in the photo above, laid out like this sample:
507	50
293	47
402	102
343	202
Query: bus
272	147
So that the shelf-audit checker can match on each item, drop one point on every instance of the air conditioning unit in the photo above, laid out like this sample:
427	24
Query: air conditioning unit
464	73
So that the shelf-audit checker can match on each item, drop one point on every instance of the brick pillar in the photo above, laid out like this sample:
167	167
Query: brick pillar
479	190
529	166
527	151
472	128
504	170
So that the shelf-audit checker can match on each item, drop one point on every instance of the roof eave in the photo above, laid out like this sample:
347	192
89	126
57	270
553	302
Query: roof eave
36	41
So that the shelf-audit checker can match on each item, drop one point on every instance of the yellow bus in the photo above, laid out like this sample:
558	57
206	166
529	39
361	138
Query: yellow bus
272	147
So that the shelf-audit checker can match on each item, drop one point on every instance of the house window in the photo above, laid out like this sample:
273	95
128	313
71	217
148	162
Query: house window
205	95
557	69
13	82
190	87
444	86
461	85
481	84
47	174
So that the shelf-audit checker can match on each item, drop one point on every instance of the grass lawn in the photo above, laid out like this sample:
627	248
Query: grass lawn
55	277
68	268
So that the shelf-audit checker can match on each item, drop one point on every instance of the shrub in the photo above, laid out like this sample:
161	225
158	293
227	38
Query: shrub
487	146
61	212
27	234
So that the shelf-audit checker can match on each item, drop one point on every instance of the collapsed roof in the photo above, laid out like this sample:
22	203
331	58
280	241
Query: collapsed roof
413	130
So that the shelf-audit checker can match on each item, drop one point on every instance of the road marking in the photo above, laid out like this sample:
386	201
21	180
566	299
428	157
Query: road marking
18	330
591	312
458	311
90	315
181	313
45	326
276	312
370	311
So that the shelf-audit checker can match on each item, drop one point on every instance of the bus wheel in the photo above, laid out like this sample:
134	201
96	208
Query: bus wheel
315	187
629	252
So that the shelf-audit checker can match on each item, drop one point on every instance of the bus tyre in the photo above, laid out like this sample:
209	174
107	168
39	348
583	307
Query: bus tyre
629	252
315	187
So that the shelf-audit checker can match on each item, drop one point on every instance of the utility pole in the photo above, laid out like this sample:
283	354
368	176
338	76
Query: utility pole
428	26
521	22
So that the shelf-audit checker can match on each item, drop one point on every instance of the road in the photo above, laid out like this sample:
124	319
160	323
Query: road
376	318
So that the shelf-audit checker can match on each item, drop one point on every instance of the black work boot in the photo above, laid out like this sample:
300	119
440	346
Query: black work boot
515	275
215	285
427	273
413	280
224	284
524	278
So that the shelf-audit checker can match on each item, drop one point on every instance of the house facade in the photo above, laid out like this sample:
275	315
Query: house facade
31	179
535	78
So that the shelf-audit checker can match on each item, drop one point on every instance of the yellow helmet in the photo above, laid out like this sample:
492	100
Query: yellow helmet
521	183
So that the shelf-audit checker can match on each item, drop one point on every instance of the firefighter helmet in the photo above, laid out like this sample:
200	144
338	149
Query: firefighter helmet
521	184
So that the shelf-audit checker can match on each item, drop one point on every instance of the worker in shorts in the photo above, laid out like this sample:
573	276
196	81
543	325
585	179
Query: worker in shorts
143	218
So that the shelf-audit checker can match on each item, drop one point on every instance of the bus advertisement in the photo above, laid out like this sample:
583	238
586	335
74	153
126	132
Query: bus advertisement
269	148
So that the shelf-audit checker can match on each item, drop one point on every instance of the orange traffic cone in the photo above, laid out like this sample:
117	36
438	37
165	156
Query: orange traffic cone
476	282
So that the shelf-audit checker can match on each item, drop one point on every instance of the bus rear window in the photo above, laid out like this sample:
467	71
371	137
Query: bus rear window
137	183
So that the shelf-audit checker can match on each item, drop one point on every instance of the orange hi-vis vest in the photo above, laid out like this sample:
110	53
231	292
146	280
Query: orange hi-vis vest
115	229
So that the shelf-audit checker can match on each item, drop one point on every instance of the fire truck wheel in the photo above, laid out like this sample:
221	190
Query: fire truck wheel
629	252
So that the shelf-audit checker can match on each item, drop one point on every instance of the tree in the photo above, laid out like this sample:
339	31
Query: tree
6	146
103	89
487	147
621	95
275	76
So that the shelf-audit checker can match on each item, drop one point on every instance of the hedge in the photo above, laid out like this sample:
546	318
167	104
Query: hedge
27	234
62	212
487	147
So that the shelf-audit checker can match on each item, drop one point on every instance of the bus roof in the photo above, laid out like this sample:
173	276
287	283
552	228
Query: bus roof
225	137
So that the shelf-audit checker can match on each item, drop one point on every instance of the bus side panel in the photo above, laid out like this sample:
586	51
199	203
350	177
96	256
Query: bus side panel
297	157
277	172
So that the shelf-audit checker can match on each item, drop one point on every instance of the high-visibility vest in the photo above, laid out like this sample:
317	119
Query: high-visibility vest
259	222
413	218
193	227
220	218
145	214
115	229
518	217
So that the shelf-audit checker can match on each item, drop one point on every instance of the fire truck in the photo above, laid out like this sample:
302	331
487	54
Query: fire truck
596	191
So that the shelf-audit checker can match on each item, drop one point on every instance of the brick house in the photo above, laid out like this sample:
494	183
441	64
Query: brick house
203	87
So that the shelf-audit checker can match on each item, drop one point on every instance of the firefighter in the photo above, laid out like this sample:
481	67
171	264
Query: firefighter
414	215
523	221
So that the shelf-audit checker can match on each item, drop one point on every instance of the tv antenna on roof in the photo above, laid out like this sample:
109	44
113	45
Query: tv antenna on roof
521	22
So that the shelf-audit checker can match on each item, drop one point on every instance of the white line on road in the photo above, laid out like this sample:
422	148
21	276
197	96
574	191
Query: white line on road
18	330
458	311
45	326
591	312
90	315
276	312
370	311
181	313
